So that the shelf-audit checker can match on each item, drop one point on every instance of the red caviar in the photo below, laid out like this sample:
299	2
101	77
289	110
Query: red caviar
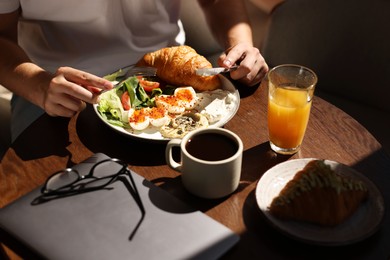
171	100
157	112
185	95
139	115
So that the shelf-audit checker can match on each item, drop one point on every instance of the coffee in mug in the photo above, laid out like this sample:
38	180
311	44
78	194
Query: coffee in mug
211	146
211	160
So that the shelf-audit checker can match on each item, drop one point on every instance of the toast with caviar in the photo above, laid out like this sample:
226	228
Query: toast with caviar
177	65
319	195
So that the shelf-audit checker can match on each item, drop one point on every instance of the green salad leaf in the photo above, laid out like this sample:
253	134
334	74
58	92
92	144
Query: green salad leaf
110	105
111	109
117	75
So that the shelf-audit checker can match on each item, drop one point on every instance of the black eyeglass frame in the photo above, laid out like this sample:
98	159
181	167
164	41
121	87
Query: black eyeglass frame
48	194
82	188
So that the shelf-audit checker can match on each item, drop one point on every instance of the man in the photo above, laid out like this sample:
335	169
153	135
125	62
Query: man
52	52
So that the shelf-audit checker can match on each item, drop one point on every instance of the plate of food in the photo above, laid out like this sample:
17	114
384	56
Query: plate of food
320	202
167	105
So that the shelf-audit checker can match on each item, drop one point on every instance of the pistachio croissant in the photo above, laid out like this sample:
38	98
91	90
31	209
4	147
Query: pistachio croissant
319	195
177	66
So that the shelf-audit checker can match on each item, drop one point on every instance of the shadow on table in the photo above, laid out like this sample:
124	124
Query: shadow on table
98	137
45	137
257	160
251	172
261	234
175	187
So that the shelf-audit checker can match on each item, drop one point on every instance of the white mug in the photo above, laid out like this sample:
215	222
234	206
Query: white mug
211	160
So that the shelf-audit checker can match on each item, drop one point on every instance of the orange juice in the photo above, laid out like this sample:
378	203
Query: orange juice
288	115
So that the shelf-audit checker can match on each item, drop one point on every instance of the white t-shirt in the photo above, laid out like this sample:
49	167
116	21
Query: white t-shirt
97	36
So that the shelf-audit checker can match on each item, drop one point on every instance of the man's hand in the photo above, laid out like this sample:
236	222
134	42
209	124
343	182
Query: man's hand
70	89
252	66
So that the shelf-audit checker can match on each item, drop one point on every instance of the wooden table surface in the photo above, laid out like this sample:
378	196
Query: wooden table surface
51	144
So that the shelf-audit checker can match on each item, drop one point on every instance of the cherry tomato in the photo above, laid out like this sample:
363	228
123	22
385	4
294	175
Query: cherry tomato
125	100
148	85
94	90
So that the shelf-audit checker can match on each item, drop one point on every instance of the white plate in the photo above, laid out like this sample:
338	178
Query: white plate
362	224
154	134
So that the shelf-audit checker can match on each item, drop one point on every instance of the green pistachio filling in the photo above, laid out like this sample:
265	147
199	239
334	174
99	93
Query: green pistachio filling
316	174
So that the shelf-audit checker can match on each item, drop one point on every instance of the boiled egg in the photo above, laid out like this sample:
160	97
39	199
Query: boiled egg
186	96
138	118
158	116
170	103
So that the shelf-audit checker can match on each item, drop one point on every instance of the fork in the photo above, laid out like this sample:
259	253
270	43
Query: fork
131	71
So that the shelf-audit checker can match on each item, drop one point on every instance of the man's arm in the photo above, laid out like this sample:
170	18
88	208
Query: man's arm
60	94
230	25
228	21
15	66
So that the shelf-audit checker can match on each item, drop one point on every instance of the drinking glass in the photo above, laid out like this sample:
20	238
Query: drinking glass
290	94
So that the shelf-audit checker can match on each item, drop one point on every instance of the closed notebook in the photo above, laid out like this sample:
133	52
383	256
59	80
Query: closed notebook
98	225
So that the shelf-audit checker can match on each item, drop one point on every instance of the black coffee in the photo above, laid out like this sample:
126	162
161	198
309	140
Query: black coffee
211	147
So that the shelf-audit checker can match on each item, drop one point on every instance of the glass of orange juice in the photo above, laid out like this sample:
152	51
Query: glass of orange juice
290	94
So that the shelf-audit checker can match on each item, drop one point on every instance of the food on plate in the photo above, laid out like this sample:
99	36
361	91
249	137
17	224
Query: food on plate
183	99
158	116
179	126
215	104
172	111
177	66
139	119
319	195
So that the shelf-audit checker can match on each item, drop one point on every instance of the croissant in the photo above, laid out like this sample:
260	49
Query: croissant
319	195
177	66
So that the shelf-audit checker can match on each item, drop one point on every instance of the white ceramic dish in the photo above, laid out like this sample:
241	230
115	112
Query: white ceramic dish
155	135
362	224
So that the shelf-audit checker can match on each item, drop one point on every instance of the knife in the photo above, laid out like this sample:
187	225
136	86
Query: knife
214	71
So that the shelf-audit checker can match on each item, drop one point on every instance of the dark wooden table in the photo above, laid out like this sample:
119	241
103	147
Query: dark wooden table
51	144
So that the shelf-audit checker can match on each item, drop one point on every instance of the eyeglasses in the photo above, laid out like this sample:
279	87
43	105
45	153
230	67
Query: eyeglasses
70	182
